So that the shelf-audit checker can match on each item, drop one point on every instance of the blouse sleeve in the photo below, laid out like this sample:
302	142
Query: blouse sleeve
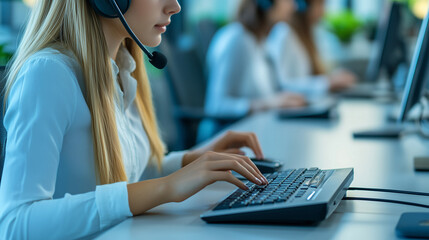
171	163
40	109
294	73
227	61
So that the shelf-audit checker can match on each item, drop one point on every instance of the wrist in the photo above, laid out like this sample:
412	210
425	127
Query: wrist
165	190
189	157
140	201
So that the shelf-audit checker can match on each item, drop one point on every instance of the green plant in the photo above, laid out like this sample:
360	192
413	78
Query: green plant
4	56
343	24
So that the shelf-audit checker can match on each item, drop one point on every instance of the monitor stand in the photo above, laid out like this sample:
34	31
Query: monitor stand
421	163
384	89
389	132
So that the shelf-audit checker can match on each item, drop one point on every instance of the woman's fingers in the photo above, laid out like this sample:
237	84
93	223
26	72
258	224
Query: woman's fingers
235	151
228	177
225	165
238	140
257	145
243	160
251	164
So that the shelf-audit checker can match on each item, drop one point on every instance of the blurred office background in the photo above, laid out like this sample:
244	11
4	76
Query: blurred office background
179	91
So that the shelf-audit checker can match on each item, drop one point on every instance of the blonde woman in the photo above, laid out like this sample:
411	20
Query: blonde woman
83	150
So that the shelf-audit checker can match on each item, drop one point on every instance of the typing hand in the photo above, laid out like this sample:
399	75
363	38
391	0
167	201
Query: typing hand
207	169
340	80
230	142
279	101
289	100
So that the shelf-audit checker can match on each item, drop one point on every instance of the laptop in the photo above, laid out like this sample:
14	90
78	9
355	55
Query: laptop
293	196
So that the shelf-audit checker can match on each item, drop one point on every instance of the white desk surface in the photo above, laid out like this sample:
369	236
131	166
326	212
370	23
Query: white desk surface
306	143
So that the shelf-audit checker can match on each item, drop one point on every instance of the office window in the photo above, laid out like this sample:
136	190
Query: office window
217	10
224	10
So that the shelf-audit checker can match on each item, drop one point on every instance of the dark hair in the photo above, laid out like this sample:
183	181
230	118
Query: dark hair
301	25
254	18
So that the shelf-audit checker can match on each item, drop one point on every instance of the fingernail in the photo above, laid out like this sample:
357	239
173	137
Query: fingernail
259	181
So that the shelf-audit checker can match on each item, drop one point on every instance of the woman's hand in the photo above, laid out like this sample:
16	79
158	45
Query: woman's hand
340	80
207	169
279	101
201	167
230	142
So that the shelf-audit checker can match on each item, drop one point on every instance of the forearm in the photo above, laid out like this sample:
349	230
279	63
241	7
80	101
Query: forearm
145	195
71	217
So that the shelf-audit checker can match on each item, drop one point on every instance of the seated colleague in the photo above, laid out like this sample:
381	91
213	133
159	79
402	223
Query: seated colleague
295	54
241	78
82	138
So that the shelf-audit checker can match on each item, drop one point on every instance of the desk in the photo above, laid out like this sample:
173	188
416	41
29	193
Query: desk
306	143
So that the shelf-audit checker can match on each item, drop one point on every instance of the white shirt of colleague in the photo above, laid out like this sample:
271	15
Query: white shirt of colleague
239	71
292	63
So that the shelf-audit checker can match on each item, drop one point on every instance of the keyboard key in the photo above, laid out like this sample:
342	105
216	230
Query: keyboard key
272	176
317	180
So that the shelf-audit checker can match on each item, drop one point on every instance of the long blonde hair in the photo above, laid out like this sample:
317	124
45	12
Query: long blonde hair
302	26
74	26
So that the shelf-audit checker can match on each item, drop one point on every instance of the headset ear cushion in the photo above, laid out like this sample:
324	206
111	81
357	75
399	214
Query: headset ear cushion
301	5
265	4
106	9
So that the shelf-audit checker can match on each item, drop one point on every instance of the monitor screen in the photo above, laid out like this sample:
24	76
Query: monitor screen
391	48
2	130
417	74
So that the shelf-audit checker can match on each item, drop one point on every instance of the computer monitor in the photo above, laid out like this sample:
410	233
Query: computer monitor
392	49
2	130
418	74
417	77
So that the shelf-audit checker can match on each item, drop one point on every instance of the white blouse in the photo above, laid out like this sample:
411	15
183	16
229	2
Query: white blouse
292	63
49	188
239	71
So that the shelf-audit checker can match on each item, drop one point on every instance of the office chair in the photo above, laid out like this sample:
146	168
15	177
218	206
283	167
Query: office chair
3	134
187	82
204	32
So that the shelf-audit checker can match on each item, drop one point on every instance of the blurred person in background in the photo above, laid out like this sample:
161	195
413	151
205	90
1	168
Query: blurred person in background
240	74
292	46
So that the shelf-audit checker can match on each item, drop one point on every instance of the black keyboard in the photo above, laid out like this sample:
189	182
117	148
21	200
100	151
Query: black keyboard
283	185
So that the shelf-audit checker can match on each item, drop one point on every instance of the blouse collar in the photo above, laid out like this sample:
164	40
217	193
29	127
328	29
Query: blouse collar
124	66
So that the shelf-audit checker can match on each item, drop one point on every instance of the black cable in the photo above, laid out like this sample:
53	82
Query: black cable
388	190
129	30
385	200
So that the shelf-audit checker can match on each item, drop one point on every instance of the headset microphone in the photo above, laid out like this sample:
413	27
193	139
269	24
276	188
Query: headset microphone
157	59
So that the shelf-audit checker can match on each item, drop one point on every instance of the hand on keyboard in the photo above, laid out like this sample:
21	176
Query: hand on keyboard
282	186
209	168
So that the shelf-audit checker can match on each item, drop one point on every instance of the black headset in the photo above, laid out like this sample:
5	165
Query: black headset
301	5
265	5
117	9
